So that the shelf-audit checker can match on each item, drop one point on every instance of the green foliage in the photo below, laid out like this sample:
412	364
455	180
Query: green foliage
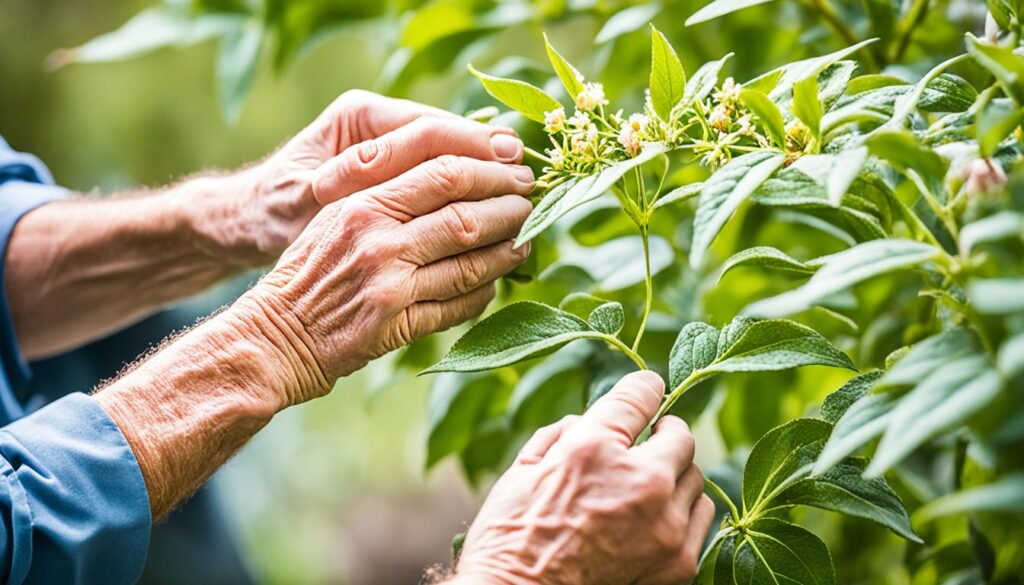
864	182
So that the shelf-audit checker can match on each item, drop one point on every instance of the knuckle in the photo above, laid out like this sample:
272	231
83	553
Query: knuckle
452	175
472	272
659	482
354	98
464	226
372	153
427	128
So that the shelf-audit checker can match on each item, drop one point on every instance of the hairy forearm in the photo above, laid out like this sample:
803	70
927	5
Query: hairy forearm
196	401
78	269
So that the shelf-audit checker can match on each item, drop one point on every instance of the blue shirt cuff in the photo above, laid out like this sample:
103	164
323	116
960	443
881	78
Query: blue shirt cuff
16	199
78	502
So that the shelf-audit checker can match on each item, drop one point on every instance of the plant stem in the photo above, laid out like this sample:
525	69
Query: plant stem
718	491
690	381
825	10
536	155
905	28
649	288
619	345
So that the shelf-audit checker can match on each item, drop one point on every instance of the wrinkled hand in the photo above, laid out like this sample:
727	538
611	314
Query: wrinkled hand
394	262
360	140
581	505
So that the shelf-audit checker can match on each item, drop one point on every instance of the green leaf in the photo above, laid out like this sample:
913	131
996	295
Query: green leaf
837	403
1003	13
767	113
695	348
904	151
905	104
613	265
513	334
1002	62
717	8
457	403
777	345
148	31
947	397
776	552
1002	225
626	21
806	106
236	66
522	97
995	120
704	80
550	389
573	193
571	78
1005	495
794	72
864	420
668	81
836	172
1011	356
581	304
781	457
608	318
997	296
768	257
723	193
842	271
679	194
832	82
928	355
843	489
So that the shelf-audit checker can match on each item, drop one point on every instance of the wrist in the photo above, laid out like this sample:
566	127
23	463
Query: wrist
247	218
285	346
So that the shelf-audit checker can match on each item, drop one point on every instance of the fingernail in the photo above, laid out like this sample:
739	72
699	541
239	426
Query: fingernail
506	148
523	252
523	174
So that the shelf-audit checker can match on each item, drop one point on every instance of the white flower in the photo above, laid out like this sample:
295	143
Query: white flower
719	119
730	92
557	157
554	121
591	97
629	134
984	175
579	120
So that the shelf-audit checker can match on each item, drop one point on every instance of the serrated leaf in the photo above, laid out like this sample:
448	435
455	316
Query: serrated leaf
997	296
513	334
951	394
695	348
571	78
626	21
723	193
573	193
679	194
717	8
668	80
768	114
806	106
528	100
1005	495
781	457
837	403
842	271
864	420
777	552
768	257
608	318
704	80
843	489
1002	225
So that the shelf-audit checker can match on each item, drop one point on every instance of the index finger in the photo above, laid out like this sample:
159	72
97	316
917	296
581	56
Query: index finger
629	407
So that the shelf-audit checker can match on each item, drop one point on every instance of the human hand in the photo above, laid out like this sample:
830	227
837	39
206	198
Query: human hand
581	504
360	140
390	264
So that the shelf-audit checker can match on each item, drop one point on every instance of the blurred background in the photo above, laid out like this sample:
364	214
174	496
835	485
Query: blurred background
336	491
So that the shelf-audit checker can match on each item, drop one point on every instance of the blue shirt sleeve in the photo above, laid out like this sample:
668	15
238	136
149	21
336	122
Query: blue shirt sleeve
73	504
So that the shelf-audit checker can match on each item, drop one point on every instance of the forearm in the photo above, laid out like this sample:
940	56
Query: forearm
194	403
81	268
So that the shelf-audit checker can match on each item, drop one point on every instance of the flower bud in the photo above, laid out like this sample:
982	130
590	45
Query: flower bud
554	121
719	119
591	97
991	28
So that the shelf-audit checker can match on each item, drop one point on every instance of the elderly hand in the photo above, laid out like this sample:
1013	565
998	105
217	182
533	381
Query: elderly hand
360	140
398	260
581	504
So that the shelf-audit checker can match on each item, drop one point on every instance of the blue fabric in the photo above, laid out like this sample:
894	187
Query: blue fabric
73	504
